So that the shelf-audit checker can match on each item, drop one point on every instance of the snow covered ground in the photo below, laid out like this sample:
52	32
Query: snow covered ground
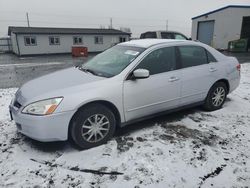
191	148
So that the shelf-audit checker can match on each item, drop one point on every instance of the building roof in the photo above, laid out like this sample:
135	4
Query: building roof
146	43
51	30
220	9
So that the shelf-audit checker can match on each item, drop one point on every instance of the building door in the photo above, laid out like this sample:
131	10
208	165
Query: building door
206	32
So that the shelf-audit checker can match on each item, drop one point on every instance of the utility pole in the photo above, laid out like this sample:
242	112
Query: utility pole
111	23
28	21
166	25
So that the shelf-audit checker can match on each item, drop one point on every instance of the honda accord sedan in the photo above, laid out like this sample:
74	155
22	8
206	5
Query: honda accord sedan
129	82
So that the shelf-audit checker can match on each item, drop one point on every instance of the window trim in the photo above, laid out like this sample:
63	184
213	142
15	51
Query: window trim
124	39
25	43
180	60
78	37
98	37
178	65
212	56
55	44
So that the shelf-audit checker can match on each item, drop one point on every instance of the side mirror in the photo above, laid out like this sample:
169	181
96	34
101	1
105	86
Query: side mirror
140	74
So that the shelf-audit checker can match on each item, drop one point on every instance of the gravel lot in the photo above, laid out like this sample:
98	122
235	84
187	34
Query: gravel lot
15	71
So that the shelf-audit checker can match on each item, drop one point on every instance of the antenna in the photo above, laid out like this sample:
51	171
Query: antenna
28	21
166	25
111	23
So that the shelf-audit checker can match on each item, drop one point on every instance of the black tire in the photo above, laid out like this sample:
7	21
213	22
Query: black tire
210	102
83	125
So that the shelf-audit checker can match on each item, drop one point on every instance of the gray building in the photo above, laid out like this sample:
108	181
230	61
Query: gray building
218	27
43	40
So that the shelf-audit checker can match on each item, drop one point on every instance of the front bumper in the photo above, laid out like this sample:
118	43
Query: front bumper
42	128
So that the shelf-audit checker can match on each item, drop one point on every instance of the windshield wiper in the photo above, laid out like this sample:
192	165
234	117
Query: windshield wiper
91	71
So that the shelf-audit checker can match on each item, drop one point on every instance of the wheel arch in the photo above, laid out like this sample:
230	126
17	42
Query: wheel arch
107	104
226	82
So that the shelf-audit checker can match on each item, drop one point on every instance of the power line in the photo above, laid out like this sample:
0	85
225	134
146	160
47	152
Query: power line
99	17
72	23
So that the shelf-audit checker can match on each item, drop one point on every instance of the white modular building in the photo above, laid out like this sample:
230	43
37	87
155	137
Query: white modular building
218	27
44	40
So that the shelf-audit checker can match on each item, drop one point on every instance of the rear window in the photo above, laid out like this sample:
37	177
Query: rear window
166	35
151	35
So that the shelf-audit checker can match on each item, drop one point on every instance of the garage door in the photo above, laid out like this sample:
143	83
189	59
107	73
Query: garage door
206	32
245	30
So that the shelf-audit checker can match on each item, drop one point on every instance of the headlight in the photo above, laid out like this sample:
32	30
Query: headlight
44	107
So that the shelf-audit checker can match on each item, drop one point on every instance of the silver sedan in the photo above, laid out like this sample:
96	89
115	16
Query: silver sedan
126	83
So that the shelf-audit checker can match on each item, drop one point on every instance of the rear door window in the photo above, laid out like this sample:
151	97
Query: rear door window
192	56
210	57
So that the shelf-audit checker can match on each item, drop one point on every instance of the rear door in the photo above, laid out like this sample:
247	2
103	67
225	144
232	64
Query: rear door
198	75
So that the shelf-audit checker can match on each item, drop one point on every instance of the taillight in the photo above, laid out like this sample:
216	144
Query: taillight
238	67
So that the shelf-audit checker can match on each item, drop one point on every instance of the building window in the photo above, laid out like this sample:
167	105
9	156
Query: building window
99	40
122	39
54	41
30	41
77	40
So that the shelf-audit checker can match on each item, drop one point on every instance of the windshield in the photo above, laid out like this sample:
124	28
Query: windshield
112	61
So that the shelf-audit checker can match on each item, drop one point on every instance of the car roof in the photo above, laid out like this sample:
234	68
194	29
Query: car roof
165	31
146	43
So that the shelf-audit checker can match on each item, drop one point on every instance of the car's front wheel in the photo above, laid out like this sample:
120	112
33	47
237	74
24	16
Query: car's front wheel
92	125
216	96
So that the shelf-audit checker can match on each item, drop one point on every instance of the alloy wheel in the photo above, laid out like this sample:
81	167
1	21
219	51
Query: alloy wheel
95	128
218	96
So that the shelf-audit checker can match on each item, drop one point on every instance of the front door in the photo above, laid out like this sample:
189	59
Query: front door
159	92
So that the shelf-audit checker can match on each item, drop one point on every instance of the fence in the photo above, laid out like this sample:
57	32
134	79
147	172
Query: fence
5	45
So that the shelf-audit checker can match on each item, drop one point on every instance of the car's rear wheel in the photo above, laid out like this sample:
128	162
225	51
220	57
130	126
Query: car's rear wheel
92	126
216	96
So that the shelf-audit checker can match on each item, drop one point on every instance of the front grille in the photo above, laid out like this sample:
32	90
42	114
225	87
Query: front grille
17	104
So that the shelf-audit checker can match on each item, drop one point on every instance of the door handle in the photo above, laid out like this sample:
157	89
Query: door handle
172	79
212	69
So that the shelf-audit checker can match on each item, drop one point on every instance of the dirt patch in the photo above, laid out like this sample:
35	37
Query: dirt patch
216	172
182	132
124	143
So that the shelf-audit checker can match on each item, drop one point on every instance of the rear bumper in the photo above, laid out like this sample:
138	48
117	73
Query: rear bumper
42	128
234	83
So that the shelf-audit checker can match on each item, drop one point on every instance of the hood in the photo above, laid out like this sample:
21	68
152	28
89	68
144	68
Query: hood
53	82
